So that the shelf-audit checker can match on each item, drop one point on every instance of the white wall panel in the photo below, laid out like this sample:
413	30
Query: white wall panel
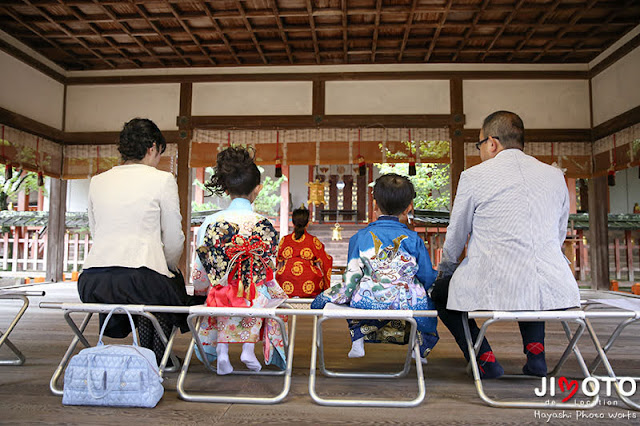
542	104
387	97
617	89
102	108
253	98
27	91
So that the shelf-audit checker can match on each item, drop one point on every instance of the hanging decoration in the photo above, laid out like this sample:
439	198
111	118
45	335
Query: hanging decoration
316	192
362	167
8	170
412	160
278	161
611	177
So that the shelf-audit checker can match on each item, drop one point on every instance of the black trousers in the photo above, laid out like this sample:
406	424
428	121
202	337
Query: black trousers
531	331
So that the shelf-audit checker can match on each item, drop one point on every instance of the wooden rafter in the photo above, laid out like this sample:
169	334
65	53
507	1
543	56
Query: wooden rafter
283	35
576	17
501	30
530	33
314	36
469	31
251	32
128	31
95	30
345	32
375	31
443	19
407	30
224	39
159	33
185	27
81	42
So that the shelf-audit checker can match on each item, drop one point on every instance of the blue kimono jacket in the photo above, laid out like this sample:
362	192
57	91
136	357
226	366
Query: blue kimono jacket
388	268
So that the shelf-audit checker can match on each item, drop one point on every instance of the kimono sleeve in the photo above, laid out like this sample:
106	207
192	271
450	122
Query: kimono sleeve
324	260
426	274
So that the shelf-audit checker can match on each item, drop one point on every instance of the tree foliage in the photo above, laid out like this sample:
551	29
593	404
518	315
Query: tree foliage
431	183
267	202
20	181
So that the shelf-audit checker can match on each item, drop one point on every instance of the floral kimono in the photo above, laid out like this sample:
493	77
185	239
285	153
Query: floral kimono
388	268
235	249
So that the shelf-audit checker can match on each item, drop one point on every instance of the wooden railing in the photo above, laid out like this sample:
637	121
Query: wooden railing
24	250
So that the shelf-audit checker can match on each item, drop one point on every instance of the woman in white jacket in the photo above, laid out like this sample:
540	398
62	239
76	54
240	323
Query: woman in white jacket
135	222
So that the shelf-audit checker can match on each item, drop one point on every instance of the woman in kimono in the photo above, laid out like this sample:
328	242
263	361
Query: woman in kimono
235	250
304	266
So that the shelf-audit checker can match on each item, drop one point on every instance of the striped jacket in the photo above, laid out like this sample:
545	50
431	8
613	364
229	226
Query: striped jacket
514	209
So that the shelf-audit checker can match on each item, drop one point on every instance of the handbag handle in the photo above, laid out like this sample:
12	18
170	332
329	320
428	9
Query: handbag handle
107	390
133	327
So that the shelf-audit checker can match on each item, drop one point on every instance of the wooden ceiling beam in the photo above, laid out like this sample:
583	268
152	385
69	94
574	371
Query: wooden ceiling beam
443	19
576	17
345	32
51	20
530	33
593	33
185	27
469	30
91	25
501	31
35	31
128	32
314	36
249	28
407	29
221	34
374	42
145	15
283	35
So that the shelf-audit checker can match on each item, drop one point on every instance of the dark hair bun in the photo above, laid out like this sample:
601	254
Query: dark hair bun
235	172
137	136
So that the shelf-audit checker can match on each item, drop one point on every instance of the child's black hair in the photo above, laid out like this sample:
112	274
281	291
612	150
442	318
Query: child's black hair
300	218
235	172
393	193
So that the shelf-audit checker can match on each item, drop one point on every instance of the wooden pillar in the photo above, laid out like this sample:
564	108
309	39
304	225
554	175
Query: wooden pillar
333	196
347	192
456	134
199	192
56	229
599	241
284	202
362	197
184	173
370	192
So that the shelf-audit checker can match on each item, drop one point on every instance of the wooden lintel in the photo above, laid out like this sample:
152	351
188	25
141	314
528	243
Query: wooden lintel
259	122
622	121
26	124
541	135
108	138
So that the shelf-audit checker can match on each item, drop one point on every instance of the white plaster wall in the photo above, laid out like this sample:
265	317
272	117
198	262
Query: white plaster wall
617	89
298	178
253	98
387	97
77	195
550	104
27	91
626	193
103	108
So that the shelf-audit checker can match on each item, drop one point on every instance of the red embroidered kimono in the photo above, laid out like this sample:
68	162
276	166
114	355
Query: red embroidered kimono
305	268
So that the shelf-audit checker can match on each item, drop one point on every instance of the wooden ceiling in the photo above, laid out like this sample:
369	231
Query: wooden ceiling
95	35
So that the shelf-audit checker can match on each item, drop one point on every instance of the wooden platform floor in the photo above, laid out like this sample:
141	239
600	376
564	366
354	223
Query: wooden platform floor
43	336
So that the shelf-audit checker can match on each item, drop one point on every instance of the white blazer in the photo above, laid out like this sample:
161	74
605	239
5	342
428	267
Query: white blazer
135	221
515	210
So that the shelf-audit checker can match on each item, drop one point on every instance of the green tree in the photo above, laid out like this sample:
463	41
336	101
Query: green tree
431	183
267	202
10	188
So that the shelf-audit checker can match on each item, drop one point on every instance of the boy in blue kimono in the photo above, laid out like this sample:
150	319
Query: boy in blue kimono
388	268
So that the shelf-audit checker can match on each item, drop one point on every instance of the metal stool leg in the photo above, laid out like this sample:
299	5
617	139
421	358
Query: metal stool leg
4	337
525	404
194	321
53	383
317	346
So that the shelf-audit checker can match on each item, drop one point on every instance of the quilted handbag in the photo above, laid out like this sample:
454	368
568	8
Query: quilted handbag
113	375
